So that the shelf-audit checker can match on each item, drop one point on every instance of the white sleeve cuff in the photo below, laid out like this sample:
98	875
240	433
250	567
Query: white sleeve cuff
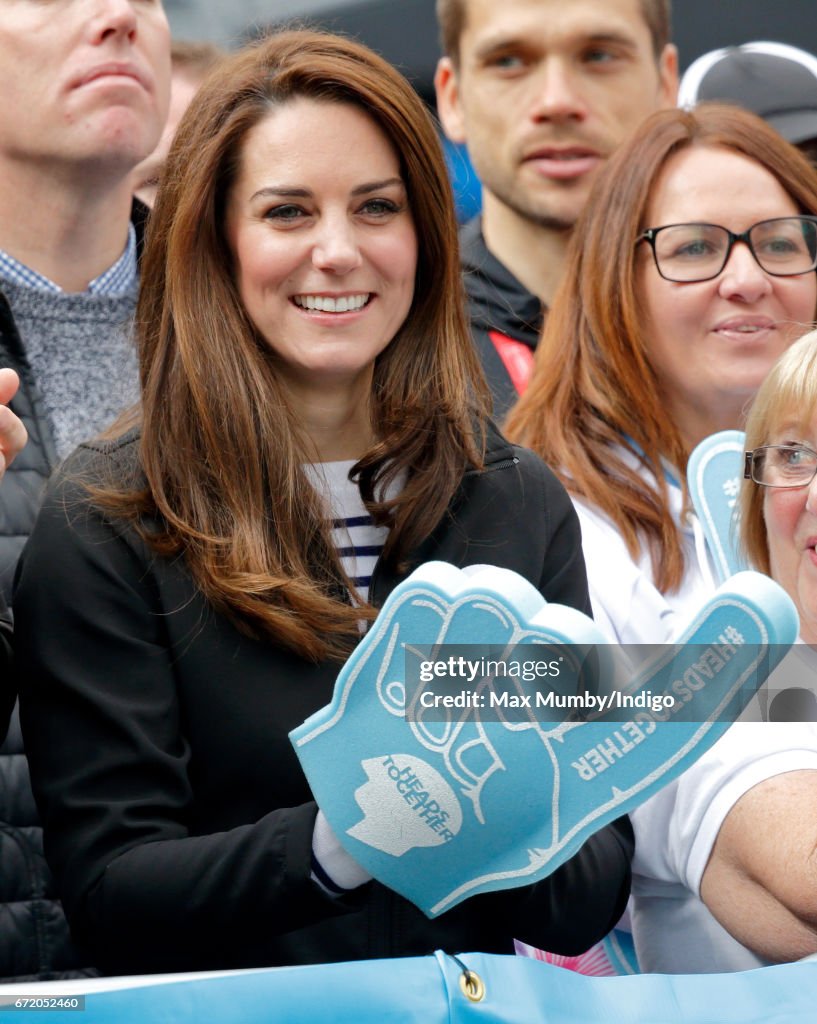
332	867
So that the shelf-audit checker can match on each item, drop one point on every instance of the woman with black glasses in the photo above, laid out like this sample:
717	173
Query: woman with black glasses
692	269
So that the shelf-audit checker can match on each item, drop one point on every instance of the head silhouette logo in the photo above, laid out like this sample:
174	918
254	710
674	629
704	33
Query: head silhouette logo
406	804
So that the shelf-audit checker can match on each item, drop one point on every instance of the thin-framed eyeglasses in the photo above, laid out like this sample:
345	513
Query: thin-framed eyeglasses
688	253
781	465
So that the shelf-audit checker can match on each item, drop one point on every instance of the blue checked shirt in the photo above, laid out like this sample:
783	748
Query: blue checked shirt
116	280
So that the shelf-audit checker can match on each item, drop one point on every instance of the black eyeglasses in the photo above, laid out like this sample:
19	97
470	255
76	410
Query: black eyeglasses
781	465
686	253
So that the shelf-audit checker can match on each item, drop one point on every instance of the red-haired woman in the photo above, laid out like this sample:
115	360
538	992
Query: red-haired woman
692	269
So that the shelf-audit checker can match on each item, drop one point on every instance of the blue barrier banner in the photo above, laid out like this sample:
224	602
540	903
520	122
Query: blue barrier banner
443	989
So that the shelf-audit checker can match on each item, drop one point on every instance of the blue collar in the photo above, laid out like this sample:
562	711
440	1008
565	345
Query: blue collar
117	280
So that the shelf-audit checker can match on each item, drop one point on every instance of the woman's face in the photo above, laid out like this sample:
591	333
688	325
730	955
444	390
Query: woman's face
712	342
791	530
323	240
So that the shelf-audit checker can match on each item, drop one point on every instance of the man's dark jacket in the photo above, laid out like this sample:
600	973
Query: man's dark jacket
504	316
34	939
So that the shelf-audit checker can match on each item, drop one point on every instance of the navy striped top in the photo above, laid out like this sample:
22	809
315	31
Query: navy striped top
358	541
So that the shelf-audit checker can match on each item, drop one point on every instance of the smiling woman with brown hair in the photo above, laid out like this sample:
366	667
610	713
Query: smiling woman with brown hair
312	429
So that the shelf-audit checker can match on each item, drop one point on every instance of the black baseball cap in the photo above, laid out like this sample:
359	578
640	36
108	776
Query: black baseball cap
776	81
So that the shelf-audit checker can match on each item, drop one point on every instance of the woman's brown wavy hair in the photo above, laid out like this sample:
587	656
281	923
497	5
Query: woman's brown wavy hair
221	446
594	391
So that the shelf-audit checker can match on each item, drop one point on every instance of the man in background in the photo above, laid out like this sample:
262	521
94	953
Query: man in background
541	92
85	94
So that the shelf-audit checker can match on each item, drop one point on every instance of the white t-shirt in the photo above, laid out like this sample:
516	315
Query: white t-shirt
357	539
676	829
627	606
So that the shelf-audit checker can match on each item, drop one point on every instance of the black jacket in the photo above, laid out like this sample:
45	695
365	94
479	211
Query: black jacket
7	692
500	307
34	939
178	820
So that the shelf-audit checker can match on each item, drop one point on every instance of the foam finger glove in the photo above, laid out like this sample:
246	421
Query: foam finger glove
440	801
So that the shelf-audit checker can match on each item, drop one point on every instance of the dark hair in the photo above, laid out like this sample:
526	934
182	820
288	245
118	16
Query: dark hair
593	383
451	18
222	448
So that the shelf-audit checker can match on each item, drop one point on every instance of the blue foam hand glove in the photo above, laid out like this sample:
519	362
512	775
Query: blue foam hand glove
442	802
714	473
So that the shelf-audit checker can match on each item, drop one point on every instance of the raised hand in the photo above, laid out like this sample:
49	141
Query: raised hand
13	434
